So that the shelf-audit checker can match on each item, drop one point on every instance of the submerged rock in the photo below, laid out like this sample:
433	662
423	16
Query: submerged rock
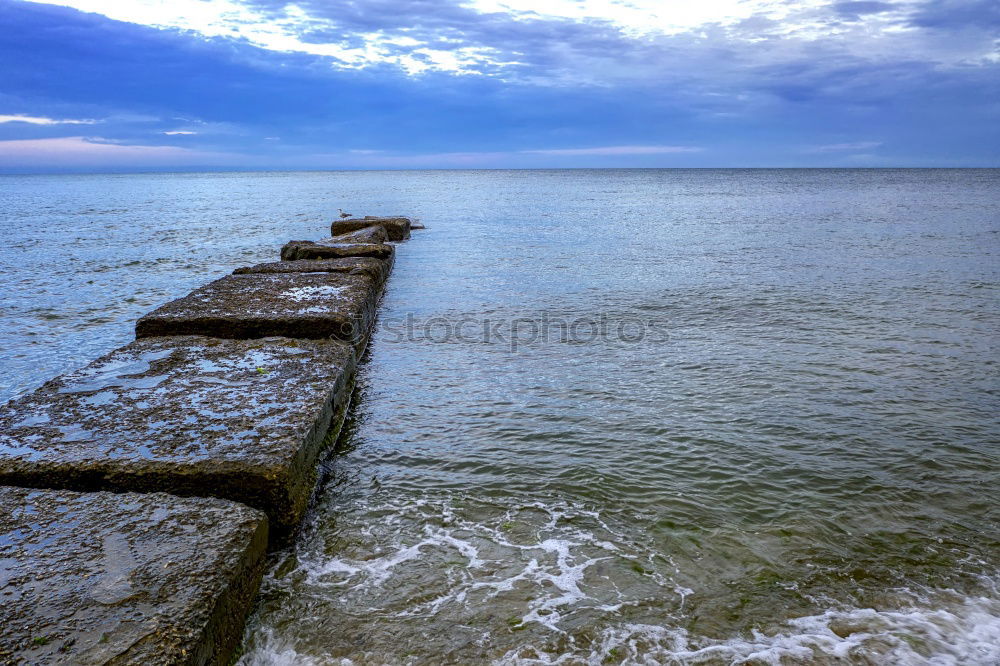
372	234
294	250
100	578
257	305
397	228
243	420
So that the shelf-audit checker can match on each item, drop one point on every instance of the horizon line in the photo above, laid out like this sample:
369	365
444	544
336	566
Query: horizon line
197	170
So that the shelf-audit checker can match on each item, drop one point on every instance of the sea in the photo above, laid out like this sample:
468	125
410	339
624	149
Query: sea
606	416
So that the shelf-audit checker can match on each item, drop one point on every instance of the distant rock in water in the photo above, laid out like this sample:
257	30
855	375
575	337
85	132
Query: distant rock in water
300	249
293	305
397	228
371	234
377	269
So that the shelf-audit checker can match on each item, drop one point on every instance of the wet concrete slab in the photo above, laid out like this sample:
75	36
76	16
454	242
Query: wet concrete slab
397	228
245	420
371	234
377	269
300	249
102	578
255	305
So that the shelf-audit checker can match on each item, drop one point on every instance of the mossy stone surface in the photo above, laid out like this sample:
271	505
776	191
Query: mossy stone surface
102	578
295	305
244	420
377	269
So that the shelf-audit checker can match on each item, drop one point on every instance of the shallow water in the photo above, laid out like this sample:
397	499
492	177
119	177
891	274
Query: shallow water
633	417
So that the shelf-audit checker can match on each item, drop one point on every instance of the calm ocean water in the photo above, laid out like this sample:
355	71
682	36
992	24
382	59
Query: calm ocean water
642	417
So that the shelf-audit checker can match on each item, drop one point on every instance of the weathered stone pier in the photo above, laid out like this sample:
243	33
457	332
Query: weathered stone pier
142	491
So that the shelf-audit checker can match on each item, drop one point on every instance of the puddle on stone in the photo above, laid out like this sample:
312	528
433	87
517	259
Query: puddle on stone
121	373
312	292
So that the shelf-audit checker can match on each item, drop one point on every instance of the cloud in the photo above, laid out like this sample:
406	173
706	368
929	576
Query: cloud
845	147
573	41
180	133
756	91
97	152
40	120
301	28
958	15
856	9
376	159
456	160
617	150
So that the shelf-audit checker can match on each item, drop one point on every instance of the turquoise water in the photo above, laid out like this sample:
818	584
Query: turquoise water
608	417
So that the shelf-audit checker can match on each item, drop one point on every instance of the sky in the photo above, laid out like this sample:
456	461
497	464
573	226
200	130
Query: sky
98	85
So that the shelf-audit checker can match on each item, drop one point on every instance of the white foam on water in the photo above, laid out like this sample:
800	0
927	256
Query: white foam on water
566	578
271	651
468	550
376	571
529	574
967	635
553	562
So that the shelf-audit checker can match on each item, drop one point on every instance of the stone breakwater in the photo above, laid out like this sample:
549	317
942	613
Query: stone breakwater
142	491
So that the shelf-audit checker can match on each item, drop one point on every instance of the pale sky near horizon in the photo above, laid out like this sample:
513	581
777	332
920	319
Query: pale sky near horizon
92	84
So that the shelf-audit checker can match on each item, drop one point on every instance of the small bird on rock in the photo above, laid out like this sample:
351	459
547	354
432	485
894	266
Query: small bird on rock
343	214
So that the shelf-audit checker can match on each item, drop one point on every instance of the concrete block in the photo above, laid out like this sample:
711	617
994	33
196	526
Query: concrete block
372	234
292	305
244	420
101	578
377	269
397	228
293	250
